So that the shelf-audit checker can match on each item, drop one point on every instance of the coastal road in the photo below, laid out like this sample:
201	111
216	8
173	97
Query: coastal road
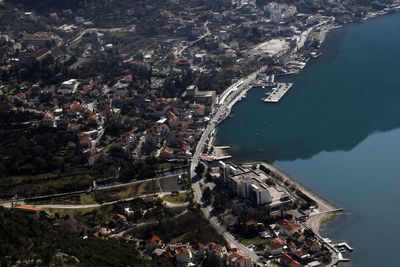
227	100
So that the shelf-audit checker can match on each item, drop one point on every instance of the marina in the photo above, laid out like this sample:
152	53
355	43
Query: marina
278	92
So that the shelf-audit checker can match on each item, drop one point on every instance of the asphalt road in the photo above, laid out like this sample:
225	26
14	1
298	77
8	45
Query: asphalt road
228	99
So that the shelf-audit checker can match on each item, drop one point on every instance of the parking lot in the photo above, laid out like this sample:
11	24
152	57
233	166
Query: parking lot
169	184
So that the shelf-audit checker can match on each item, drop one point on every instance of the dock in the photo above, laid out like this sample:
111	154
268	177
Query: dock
344	244
278	92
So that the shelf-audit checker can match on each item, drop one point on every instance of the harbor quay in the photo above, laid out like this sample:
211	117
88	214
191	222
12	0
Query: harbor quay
278	92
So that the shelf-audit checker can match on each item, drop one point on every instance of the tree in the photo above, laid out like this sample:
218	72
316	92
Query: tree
244	216
219	202
207	194
212	261
199	169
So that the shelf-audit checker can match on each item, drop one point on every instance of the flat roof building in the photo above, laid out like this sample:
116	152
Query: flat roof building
250	184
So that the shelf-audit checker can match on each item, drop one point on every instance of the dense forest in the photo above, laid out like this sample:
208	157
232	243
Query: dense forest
40	242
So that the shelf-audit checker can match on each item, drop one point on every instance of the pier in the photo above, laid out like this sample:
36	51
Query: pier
344	244
278	92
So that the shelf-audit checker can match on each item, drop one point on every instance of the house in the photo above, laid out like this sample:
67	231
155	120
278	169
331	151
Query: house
17	47
287	260
68	86
29	58
287	227
30	210
252	226
239	259
94	158
153	243
206	98
298	236
313	245
214	249
276	246
118	219
183	254
85	143
130	212
39	39
200	251
48	121
53	16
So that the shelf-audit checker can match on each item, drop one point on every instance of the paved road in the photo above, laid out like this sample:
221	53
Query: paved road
136	182
7	203
59	206
227	100
179	52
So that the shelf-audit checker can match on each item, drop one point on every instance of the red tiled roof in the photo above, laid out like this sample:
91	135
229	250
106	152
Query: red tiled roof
239	256
288	226
181	250
214	247
155	240
276	243
118	217
27	208
290	261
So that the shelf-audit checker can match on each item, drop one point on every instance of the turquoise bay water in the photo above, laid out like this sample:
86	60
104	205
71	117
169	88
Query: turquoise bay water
338	132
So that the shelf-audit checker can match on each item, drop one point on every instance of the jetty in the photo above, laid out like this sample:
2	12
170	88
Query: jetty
344	244
278	92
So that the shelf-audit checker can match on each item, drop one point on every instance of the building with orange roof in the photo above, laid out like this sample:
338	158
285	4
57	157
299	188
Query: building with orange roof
84	143
30	210
200	250
239	259
39	39
214	249
287	227
276	246
27	59
153	243
287	260
167	153
183	254
94	158
118	219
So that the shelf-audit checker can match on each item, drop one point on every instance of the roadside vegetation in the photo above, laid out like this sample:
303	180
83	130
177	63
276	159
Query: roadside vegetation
123	192
176	199
328	218
192	227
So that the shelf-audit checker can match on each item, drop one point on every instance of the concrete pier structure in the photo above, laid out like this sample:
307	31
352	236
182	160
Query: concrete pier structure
278	92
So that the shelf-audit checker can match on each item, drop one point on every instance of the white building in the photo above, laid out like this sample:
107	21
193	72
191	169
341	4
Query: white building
69	86
248	184
280	12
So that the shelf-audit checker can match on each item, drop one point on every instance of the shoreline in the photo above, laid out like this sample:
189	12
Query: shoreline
325	207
